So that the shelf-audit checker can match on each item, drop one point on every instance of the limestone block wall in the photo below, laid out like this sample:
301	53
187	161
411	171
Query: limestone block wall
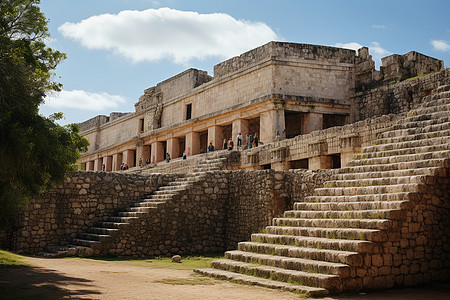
415	250
111	134
321	81
394	98
284	50
213	215
82	200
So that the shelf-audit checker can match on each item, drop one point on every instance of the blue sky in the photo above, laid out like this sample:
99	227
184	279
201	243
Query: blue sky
118	48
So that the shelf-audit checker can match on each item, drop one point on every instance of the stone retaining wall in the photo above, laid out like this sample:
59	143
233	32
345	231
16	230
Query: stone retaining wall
82	200
212	215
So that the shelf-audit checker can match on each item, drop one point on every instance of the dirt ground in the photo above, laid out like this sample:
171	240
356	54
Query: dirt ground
72	278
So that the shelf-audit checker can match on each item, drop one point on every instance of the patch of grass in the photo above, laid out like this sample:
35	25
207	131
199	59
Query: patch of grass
187	263
10	260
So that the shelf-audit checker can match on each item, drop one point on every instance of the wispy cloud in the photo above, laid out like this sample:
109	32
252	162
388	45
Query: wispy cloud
379	26
83	100
165	33
440	45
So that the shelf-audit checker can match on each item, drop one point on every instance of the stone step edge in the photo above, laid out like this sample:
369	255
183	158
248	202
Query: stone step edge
267	283
311	262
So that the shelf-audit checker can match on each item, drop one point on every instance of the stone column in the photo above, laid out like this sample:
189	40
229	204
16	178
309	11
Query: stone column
272	125
108	162
128	158
312	122
157	152
239	126
173	147
117	161
192	143
347	157
215	135
319	162
142	153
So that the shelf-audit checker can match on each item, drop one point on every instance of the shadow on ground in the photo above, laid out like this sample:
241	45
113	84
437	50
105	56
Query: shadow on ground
29	282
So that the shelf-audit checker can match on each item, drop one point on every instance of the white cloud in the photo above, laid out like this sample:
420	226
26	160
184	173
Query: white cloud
375	50
440	45
379	26
83	100
165	33
353	45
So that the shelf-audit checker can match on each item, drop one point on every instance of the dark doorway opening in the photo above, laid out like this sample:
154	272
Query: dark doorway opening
333	121
203	141
182	145
293	124
336	161
300	164
267	167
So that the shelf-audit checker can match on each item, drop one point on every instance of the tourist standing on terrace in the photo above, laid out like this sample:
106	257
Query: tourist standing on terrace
239	139
225	144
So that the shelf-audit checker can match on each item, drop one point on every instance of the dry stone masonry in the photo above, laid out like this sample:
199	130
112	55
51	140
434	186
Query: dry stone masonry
380	222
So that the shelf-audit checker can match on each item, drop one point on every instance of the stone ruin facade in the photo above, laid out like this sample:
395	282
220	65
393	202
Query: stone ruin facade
348	191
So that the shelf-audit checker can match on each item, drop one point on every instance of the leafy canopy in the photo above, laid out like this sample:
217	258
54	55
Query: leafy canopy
35	152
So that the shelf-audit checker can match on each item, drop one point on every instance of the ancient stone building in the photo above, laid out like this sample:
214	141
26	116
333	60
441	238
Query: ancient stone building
279	90
376	214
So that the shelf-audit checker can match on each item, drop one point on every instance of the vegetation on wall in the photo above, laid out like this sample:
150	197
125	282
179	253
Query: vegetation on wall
35	152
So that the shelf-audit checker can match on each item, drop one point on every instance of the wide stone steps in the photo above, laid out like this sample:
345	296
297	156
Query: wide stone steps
103	230
437	100
268	283
360	246
415	116
400	158
344	214
343	257
149	204
327	281
442	140
413	137
139	209
401	196
290	263
173	188
331	233
365	190
404	151
93	236
416	130
87	243
427	179
429	109
117	219
418	164
334	223
112	225
351	206
416	124
431	171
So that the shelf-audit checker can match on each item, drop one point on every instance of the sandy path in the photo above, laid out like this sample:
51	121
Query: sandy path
72	278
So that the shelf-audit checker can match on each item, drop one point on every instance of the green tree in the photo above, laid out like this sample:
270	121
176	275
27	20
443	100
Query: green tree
35	152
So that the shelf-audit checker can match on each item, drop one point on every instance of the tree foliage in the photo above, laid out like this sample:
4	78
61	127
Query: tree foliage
35	152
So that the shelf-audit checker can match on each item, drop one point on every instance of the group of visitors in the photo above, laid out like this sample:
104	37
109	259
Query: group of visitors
123	166
251	141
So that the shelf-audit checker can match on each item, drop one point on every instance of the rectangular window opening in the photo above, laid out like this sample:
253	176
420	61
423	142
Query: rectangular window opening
189	111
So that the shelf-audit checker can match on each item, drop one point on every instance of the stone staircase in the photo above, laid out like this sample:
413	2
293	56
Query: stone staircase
94	241
336	240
